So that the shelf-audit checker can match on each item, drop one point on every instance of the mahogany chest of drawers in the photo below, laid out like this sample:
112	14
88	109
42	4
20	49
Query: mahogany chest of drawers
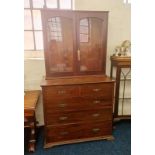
77	109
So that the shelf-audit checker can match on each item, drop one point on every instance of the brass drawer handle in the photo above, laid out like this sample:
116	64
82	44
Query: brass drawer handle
95	115
95	130
62	105
78	54
96	89
64	133
63	118
61	92
96	101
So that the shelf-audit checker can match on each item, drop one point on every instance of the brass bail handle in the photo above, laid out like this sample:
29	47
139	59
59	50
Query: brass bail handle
78	52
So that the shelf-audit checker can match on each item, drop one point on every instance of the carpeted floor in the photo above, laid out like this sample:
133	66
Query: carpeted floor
120	146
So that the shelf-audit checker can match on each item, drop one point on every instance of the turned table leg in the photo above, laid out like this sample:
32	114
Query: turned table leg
32	141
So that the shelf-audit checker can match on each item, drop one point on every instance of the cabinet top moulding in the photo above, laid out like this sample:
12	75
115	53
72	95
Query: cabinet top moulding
63	10
76	80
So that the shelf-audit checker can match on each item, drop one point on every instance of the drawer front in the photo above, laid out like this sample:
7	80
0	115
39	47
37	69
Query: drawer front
60	92
29	112
78	131
97	90
81	116
75	104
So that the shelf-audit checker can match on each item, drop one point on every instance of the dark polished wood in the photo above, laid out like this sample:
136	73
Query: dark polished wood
71	80
79	101
77	46
61	117
78	131
119	63
30	102
77	95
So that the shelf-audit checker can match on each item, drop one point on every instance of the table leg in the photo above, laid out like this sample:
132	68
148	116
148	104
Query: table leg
32	140
118	74
111	70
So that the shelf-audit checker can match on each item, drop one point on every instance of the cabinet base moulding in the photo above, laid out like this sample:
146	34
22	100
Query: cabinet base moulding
119	118
48	145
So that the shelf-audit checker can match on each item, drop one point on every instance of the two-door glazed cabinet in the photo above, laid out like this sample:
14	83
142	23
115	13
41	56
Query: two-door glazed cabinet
77	95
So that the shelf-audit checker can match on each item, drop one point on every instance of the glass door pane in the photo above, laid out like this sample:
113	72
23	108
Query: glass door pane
90	50
60	44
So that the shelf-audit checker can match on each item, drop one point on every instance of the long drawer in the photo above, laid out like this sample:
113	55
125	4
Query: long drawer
53	118
98	90
77	131
60	92
75	104
104	90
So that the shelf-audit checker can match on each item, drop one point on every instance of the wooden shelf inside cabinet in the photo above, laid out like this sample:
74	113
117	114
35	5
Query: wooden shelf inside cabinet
119	63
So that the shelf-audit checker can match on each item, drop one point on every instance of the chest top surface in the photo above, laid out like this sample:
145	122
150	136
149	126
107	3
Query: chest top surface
76	80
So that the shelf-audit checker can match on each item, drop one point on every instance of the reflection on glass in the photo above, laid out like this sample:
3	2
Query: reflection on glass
60	39
84	30
83	38
90	44
84	22
55	29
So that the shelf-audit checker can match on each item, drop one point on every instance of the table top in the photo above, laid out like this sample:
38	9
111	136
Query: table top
120	61
119	58
30	99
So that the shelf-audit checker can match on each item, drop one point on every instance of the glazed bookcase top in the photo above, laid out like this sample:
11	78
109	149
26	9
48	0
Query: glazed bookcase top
75	42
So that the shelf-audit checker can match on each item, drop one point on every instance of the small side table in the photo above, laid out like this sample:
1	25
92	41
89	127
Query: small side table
119	63
30	102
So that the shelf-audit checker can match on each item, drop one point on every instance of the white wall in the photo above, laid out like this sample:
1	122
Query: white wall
34	70
118	31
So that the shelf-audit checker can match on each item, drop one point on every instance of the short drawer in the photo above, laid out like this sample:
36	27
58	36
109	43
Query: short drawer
78	131
60	92
79	116
75	104
97	90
